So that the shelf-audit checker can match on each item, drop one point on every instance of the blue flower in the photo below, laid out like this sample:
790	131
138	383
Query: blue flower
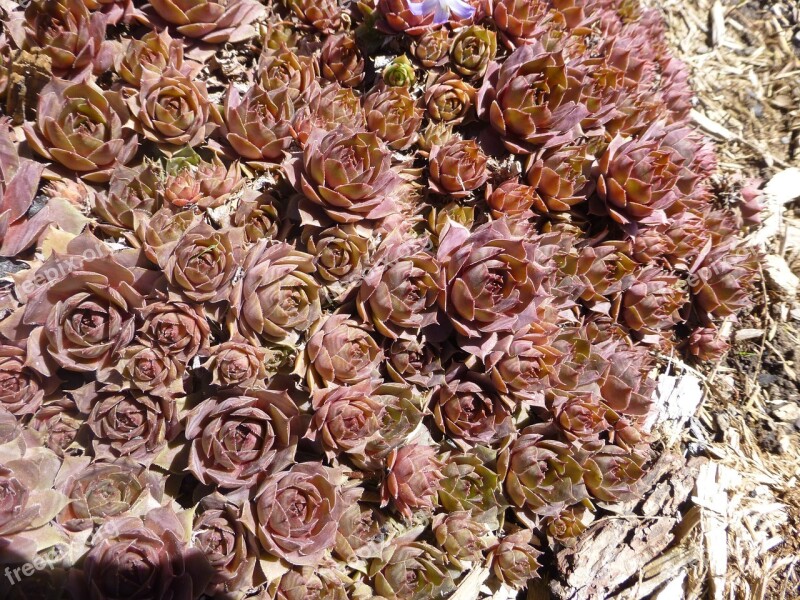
441	9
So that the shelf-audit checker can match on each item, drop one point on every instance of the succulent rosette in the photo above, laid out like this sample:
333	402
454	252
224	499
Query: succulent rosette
145	367
200	264
83	128
613	472
283	68
59	422
69	33
142	557
339	252
341	60
326	107
470	409
131	192
720	284
651	305
518	20
431	48
413	479
323	15
258	125
449	99
155	51
298	513
348	174
172	109
542	473
414	361
514	199
277	297
82	317
258	217
21	388
461	536
205	184
238	364
403	410
339	351
492	278
638	180
401	17
414	570
401	289
457	168
224	531
393	114
29	502
472	49
210	21
529	101
129	423
236	440
706	343
309	582
178	329
514	560
346	418
104	490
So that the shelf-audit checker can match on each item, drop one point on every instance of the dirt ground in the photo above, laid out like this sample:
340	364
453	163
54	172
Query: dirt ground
745	62
721	515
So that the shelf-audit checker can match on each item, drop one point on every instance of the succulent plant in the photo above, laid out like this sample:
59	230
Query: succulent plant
283	68
414	571
542	473
393	114
529	101
339	351
514	559
298	513
457	168
431	48
413	479
401	290
491	275
519	21
288	320
399	73
341	60
467	408
449	99
237	440
471	51
323	15
347	174
325	108
399	16
276	297
67	31
258	125
211	21
171	108
154	548
83	128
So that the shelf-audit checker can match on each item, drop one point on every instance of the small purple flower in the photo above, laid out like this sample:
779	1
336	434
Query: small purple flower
442	9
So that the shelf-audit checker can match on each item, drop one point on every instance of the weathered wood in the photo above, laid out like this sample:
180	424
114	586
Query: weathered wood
611	556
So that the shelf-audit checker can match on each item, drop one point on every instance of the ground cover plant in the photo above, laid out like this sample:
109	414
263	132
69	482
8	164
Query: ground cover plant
339	300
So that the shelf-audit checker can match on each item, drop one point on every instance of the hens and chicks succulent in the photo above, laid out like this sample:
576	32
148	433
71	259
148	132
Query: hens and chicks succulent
337	299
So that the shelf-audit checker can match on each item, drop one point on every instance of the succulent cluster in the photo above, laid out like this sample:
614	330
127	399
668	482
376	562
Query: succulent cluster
336	299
